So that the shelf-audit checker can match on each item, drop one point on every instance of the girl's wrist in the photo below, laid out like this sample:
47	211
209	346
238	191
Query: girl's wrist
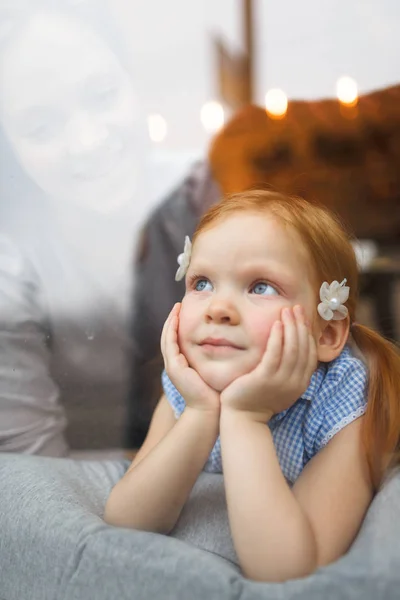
229	413
208	414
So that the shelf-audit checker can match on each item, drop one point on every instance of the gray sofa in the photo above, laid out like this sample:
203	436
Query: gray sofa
54	544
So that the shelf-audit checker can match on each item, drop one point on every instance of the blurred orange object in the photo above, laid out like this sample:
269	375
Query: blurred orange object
345	157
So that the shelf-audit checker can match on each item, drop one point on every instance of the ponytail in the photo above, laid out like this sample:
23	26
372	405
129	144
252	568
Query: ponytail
381	430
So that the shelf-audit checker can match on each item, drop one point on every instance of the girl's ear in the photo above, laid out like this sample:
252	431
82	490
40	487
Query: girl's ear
332	338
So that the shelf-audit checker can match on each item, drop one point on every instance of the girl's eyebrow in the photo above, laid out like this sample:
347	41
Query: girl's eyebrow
199	267
266	269
273	270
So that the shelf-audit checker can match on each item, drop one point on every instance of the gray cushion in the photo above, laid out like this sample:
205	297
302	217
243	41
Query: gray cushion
54	544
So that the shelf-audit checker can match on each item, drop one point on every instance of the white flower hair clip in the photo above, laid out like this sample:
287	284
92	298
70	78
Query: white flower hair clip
184	259
333	297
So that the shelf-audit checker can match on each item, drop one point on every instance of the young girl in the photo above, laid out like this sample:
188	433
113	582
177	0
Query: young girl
269	378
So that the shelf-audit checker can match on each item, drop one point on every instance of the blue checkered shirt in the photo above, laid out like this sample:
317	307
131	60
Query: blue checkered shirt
335	397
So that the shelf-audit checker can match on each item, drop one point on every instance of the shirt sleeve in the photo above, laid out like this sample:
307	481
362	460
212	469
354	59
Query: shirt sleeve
340	401
32	419
173	396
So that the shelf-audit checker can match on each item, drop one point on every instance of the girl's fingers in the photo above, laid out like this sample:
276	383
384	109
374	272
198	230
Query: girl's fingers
273	352
290	342
171	339
166	332
172	336
312	356
163	334
307	362
303	336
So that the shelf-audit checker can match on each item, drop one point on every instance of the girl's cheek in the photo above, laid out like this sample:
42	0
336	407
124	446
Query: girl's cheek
261	330
186	310
186	321
182	333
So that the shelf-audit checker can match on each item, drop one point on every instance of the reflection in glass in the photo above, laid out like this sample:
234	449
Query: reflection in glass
72	177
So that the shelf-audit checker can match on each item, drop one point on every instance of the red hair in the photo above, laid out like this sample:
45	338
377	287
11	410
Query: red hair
332	257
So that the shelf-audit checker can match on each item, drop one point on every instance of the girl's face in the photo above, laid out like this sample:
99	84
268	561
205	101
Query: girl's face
70	113
243	272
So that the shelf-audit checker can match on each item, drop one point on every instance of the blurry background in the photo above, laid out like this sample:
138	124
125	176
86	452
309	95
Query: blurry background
302	48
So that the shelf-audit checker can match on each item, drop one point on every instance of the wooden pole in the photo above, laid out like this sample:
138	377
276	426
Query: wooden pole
248	24
235	70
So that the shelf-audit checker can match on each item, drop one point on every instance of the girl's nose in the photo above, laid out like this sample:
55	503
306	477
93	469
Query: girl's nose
222	310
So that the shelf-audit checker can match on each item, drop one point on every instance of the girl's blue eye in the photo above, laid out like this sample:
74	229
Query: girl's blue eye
201	285
264	289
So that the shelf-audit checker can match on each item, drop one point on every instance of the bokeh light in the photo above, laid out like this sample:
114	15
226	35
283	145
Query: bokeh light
212	116
346	91
276	103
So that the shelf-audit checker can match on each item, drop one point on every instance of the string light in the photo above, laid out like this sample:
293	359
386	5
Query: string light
158	128
276	103
212	113
212	116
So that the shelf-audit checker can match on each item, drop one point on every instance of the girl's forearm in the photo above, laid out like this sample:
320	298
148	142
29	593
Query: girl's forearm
150	496
272	536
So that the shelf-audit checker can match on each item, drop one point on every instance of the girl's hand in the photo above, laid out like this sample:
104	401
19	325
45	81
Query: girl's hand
283	373
194	390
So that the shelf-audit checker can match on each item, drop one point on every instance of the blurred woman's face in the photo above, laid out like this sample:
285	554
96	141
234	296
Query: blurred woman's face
69	110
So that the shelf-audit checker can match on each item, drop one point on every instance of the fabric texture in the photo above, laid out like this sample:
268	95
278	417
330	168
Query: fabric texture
54	544
32	418
335	397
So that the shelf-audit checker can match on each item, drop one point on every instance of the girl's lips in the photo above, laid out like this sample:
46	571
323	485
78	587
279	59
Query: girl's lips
222	351
219	343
